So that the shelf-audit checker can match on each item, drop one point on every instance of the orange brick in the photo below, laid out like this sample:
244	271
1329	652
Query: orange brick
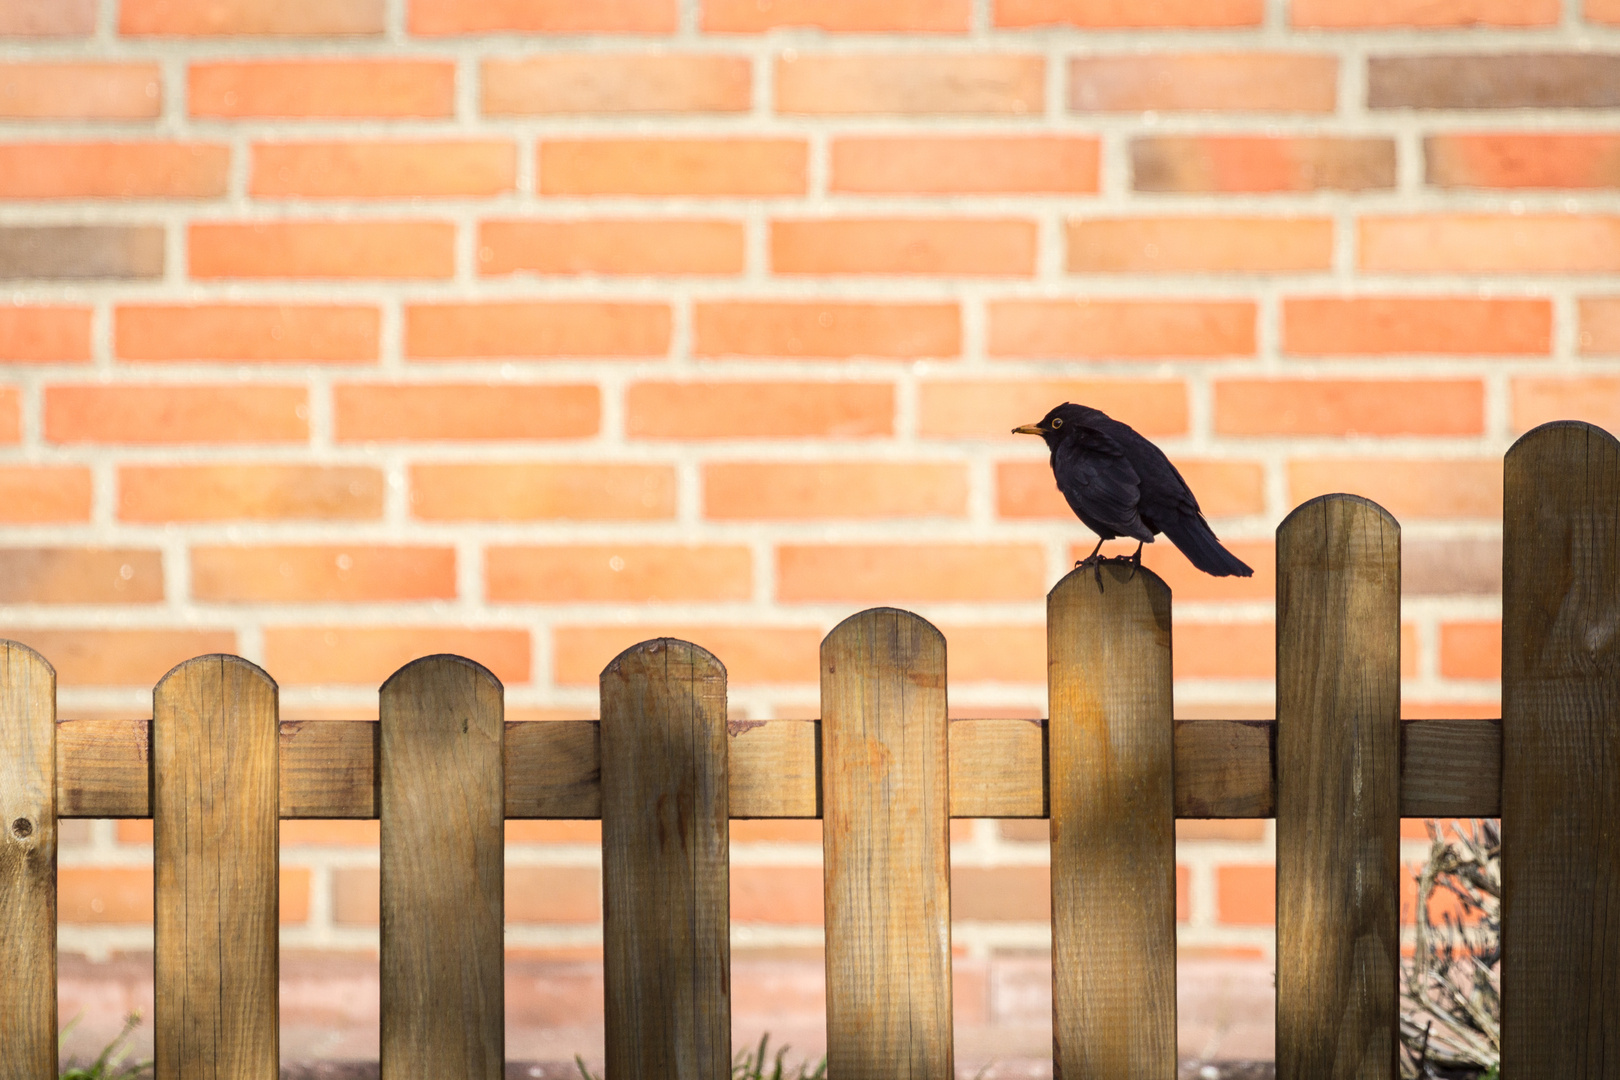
1471	650
1594	398
249	492
1513	160
331	573
1129	328
785	410
752	654
247	332
982	409
996	653
673	166
962	165
1353	14
1441	488
1486	243
536	492
322	249
369	170
848	16
1434	325
617	83
1344	407
47	18
79	91
1122	14
40	494
368	655
648	246
776	831
120	170
777	895
38	575
911	84
1204	82
435	17
44	335
553	894
1242	830
10	415
885	573
329	833
1603	11
824	329
104	894
902	246
1188	583
126	413
222	17
1025	489
356	896
1182	244
1246	895
93	656
325	89
1261	163
553	832
1600	325
1001	894
371	412
1224	650
554	328
792	491
632	573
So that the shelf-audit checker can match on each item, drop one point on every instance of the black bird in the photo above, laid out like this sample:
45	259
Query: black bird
1120	484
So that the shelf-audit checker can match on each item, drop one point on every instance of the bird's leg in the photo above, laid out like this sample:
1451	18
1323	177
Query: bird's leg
1136	561
1094	560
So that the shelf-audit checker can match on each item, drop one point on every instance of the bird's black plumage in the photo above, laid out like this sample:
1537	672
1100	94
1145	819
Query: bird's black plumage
1119	484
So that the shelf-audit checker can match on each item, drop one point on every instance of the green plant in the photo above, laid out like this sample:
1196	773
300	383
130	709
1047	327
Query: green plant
751	1064
110	1063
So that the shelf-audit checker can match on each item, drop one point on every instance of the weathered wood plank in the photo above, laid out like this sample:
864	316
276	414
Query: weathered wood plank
666	923
215	848
885	844
441	798
1451	768
329	770
998	768
27	864
1561	755
1338	790
553	769
1224	768
1113	826
775	769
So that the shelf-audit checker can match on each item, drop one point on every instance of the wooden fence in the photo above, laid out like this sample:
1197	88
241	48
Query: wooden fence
664	771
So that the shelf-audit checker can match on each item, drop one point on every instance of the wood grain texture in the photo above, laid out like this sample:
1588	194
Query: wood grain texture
998	768
1561	755
1113	826
775	768
553	769
666	922
27	864
886	805
441	798
1338	790
215	848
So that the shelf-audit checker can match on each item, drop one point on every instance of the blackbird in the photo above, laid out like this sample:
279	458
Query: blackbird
1120	484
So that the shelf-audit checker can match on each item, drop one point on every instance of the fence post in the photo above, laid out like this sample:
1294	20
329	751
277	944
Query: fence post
216	833
1338	790
1113	826
1561	754
27	864
886	846
441	786
666	909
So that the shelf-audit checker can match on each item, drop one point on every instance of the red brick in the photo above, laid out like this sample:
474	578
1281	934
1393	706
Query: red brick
1513	160
776	831
247	332
231	17
41	494
10	415
542	492
825	329
999	653
368	655
1603	11
1131	328
553	832
104	895
846	16
1593	398
1242	650
1436	488
1188	583
116	170
798	490
625	246
903	246
330	833
885	573
911	84
1025	489
1432	325
369	170
1246	895
1600	325
1345	407
1488	243
1183	244
628	573
249	492
94	656
1001	894
1122	14
984	409
617	83
44	335
1471	650
60	575
372	412
1204	82
776	410
326	573
553	894
310	89
1353	14
1261	163
126	413
434	17
536	329
776	895
322	249
752	654
673	166
961	165
79	91
47	18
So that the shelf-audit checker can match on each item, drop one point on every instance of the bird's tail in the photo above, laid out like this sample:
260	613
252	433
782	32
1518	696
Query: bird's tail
1196	540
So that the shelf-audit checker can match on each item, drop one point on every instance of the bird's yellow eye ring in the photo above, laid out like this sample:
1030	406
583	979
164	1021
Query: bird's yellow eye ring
1057	422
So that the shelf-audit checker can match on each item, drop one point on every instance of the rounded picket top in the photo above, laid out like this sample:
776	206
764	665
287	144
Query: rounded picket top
232	670
1355	507
1114	573
17	659
425	667
644	655
889	619
1563	434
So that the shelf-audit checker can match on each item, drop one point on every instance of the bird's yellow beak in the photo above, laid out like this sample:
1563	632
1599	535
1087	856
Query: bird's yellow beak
1030	429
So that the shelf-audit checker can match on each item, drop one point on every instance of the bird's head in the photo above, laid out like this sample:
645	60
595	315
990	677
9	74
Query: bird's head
1056	425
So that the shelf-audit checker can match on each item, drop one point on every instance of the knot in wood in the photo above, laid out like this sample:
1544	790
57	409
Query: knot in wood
22	828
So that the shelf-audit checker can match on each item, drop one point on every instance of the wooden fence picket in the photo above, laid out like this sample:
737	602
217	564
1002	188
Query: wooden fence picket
215	849
27	864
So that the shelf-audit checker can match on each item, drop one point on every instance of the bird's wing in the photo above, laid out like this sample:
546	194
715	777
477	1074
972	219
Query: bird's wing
1101	479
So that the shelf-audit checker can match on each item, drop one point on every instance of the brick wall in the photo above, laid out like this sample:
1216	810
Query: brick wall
346	331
